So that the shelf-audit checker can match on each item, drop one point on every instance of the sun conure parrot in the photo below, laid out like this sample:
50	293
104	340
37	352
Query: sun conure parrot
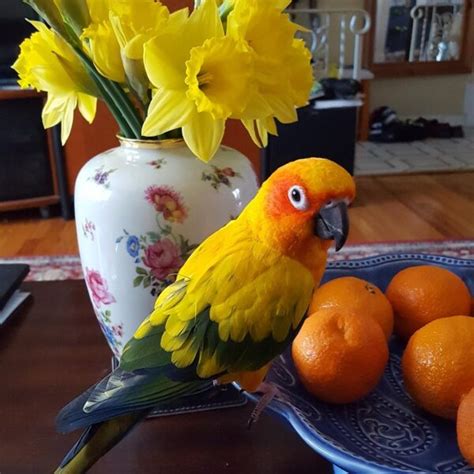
236	304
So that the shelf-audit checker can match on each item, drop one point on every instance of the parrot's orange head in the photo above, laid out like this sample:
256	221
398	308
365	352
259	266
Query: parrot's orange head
304	204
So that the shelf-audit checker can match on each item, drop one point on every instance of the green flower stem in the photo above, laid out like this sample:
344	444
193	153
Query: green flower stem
113	102
224	10
129	109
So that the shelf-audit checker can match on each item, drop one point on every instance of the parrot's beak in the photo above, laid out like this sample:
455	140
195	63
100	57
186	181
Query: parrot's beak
332	223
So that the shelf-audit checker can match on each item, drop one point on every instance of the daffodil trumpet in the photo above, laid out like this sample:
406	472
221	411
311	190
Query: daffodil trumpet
163	73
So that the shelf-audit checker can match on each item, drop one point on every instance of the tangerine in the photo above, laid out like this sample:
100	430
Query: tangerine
465	427
358	296
423	293
438	364
339	356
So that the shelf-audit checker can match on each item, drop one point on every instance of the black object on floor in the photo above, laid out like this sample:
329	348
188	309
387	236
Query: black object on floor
386	127
435	129
11	277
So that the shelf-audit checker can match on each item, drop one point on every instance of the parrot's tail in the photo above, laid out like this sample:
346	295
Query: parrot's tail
96	441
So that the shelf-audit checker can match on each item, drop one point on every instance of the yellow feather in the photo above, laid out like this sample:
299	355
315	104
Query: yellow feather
175	326
143	329
185	356
171	343
208	365
224	330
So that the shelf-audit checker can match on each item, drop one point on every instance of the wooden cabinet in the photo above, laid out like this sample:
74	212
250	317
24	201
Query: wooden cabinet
31	172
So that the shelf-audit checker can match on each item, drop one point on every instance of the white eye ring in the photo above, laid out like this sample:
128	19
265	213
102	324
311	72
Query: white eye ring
298	199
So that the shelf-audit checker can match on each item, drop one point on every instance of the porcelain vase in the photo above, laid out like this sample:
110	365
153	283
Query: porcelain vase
141	209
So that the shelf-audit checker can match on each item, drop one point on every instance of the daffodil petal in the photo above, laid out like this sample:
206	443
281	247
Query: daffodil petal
262	131
177	19
270	125
204	22
105	50
203	135
164	64
283	109
52	111
250	127
257	107
134	48
67	119
87	106
168	110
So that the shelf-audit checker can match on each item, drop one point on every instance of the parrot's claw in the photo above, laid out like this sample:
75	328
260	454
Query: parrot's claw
268	391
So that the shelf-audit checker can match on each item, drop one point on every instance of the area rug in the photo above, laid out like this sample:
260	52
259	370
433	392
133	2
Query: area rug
68	267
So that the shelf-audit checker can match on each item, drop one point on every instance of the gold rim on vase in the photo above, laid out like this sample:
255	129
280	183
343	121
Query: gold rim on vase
150	144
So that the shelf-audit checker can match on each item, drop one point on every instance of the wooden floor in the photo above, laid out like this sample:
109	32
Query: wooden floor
409	207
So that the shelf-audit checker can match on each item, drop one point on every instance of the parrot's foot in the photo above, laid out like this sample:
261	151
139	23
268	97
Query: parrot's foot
268	391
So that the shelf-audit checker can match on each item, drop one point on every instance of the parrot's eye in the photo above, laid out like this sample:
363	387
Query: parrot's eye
298	199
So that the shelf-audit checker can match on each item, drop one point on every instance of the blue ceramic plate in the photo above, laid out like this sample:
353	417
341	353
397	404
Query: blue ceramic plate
385	432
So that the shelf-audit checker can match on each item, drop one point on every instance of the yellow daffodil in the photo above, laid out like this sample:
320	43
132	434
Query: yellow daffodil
47	63
134	23
99	9
101	43
201	78
283	71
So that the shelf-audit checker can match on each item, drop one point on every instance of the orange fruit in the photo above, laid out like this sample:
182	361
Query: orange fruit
438	364
357	296
465	427
339	356
424	293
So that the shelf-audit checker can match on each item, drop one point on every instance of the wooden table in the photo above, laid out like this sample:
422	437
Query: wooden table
52	349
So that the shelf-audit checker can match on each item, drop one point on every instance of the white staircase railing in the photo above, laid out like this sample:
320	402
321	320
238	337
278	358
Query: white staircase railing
330	31
437	29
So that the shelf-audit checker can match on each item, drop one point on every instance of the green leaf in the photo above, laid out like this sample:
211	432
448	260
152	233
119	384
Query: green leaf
154	237
141	271
75	14
137	281
147	282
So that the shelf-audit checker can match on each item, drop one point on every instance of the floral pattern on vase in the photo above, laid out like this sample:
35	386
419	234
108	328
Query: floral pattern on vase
161	255
220	176
157	164
101	177
112	332
163	251
98	288
101	296
88	229
167	202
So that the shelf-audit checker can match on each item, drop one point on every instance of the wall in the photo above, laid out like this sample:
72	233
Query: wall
418	96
